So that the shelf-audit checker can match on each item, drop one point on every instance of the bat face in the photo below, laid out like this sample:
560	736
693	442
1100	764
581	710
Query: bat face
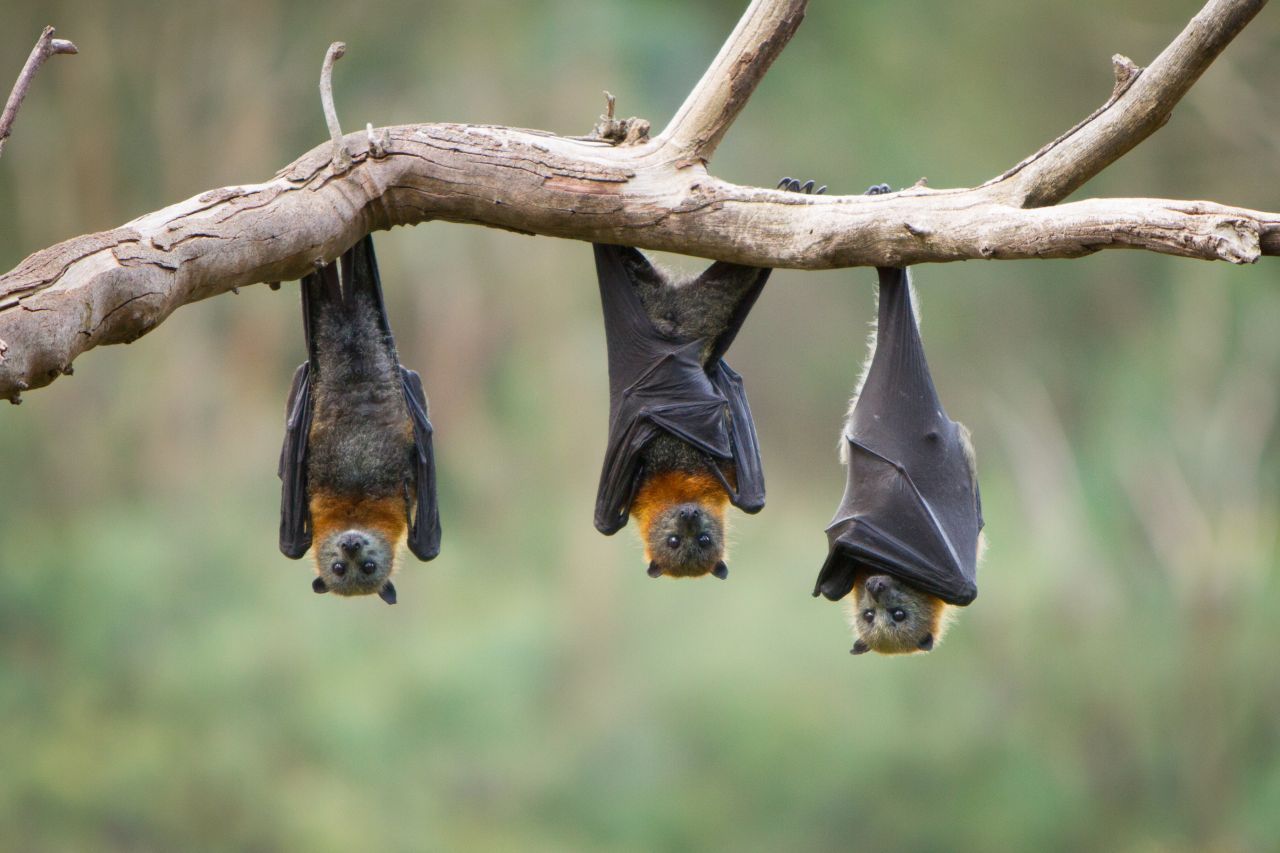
891	618
686	540
353	562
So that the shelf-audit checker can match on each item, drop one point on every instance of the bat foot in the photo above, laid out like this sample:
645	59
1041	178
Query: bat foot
878	189
792	185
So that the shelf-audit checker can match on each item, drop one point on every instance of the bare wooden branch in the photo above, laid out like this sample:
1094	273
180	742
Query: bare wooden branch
1140	104
46	46
705	116
115	286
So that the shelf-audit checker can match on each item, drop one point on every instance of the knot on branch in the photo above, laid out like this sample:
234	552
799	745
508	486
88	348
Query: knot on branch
1237	240
1126	71
625	131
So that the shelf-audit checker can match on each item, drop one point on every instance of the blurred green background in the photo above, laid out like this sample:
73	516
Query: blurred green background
168	681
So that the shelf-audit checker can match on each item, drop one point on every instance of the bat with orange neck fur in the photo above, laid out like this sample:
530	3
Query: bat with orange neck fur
682	445
357	466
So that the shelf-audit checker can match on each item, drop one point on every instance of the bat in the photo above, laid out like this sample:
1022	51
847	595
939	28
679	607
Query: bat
911	516
357	467
681	442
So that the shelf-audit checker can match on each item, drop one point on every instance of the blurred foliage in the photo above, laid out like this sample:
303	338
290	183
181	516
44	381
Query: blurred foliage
168	681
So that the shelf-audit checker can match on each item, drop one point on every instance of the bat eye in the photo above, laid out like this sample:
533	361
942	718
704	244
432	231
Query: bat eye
869	615
704	539
673	541
898	614
339	568
368	567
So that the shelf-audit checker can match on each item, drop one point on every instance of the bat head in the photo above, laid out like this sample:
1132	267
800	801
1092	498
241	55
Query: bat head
686	540
890	617
355	562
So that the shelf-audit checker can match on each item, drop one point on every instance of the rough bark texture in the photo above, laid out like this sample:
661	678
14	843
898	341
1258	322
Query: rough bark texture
115	286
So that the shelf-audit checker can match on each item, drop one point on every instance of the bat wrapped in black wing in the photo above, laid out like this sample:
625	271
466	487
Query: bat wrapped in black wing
682	445
911	506
660	383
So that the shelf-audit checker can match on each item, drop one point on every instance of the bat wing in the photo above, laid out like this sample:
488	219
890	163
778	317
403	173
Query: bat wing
749	494
658	384
911	506
295	515
424	526
318	289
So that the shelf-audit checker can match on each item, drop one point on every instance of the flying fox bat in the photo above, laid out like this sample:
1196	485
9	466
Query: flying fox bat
906	534
681	441
357	465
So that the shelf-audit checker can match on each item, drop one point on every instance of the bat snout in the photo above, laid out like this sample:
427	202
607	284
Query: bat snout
690	513
877	585
351	543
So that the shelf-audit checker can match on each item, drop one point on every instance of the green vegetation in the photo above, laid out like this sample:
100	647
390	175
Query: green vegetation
168	681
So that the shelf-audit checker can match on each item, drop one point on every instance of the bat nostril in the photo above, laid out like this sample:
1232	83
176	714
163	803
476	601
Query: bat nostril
350	543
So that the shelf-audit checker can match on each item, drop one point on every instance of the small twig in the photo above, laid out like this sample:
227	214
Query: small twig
46	46
341	159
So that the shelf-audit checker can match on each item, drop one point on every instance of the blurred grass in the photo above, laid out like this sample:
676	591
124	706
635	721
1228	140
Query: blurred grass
167	681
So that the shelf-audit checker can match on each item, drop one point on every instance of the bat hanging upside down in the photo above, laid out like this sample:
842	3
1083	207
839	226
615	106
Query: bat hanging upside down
357	465
681	444
906	538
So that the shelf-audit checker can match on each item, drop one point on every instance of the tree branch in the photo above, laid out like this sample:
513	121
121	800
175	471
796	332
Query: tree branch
1140	104
46	46
704	117
115	286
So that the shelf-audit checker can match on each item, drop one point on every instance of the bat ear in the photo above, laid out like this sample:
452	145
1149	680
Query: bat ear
388	593
318	585
926	643
655	571
860	647
721	570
